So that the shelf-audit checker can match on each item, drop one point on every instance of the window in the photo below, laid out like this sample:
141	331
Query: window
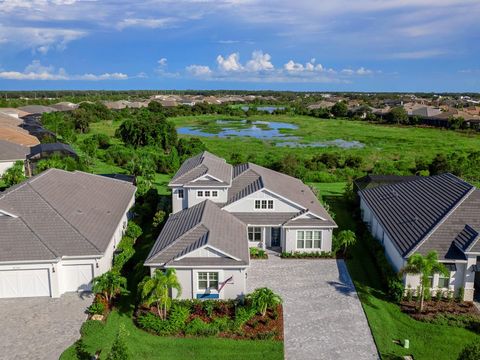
207	193
180	193
264	204
207	280
199	194
214	193
309	239
443	281
255	234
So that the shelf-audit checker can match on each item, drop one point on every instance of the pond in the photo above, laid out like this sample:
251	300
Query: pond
341	143
269	109
256	129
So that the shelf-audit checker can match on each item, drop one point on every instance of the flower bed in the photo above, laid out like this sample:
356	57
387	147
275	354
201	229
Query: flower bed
220	318
307	255
256	253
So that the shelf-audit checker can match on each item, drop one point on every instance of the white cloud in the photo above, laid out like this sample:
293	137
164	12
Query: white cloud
145	23
260	62
418	54
261	69
162	69
199	70
162	62
230	63
41	40
37	71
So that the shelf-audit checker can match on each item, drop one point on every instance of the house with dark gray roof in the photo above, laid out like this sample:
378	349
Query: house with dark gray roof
220	211
59	230
438	213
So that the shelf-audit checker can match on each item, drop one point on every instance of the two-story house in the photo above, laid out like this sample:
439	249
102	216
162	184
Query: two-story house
220	210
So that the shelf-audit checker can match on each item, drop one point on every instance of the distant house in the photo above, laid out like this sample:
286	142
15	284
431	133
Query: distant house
11	130
59	230
64	106
220	210
42	151
10	153
37	109
438	213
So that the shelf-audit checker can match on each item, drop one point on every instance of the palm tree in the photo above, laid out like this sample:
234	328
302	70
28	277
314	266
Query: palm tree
345	239
110	284
425	267
156	290
263	299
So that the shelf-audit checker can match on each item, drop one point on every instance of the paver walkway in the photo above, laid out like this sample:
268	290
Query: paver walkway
40	328
323	317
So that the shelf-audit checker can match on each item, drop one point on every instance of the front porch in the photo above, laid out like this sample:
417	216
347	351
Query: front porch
265	237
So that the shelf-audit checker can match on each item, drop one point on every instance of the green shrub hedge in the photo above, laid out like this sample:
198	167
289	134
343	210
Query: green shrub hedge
307	255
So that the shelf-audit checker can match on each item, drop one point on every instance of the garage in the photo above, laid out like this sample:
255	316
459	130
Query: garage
77	277
24	283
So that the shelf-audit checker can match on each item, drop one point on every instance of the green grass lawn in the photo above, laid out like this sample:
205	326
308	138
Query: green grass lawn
382	142
387	322
147	346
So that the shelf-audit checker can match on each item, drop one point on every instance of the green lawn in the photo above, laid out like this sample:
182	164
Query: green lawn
382	142
387	322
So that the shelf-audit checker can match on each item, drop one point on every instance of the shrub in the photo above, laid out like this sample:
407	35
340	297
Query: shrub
461	294
306	255
96	308
268	335
133	230
200	328
470	352
222	323
208	306
409	294
153	323
242	315
256	253
395	289
119	349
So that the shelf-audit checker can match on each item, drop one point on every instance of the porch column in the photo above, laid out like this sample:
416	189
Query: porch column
264	238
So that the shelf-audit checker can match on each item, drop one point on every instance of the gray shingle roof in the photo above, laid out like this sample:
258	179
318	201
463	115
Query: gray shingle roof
192	228
411	210
249	178
71	213
12	151
255	218
204	163
37	109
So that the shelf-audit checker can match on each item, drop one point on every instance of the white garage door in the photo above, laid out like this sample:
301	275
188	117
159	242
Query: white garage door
77	277
24	283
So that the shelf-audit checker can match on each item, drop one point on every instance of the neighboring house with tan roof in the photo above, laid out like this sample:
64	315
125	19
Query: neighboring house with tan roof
439	213
16	113
220	210
11	130
59	230
10	153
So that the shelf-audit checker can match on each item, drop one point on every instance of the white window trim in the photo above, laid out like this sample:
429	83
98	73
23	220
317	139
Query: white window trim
200	196
221	277
255	227
208	288
178	193
261	208
305	239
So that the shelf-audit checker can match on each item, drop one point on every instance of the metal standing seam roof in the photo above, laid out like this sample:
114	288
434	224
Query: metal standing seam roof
411	210
204	163
195	227
70	213
12	151
51	147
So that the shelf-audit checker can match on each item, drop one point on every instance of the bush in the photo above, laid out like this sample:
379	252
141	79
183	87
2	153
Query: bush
119	349
395	289
242	315
158	218
470	352
198	327
133	230
256	253
461	294
96	308
307	255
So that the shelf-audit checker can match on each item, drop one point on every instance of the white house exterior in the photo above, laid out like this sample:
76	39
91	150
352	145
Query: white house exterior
269	209
439	213
59	230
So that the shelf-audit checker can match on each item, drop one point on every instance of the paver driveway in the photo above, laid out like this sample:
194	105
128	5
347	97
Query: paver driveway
40	328
322	313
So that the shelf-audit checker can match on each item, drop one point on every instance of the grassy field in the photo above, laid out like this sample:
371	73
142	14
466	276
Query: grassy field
150	347
382	142
387	322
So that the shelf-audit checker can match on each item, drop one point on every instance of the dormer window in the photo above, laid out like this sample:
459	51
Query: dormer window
207	193
263	204
199	193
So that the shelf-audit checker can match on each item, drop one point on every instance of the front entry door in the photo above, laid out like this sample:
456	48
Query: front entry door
276	237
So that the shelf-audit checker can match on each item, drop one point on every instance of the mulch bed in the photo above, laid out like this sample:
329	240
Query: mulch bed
431	309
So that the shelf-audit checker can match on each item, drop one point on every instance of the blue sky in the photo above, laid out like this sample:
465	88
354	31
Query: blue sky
354	45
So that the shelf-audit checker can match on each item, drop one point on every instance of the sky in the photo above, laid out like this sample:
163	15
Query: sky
303	45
